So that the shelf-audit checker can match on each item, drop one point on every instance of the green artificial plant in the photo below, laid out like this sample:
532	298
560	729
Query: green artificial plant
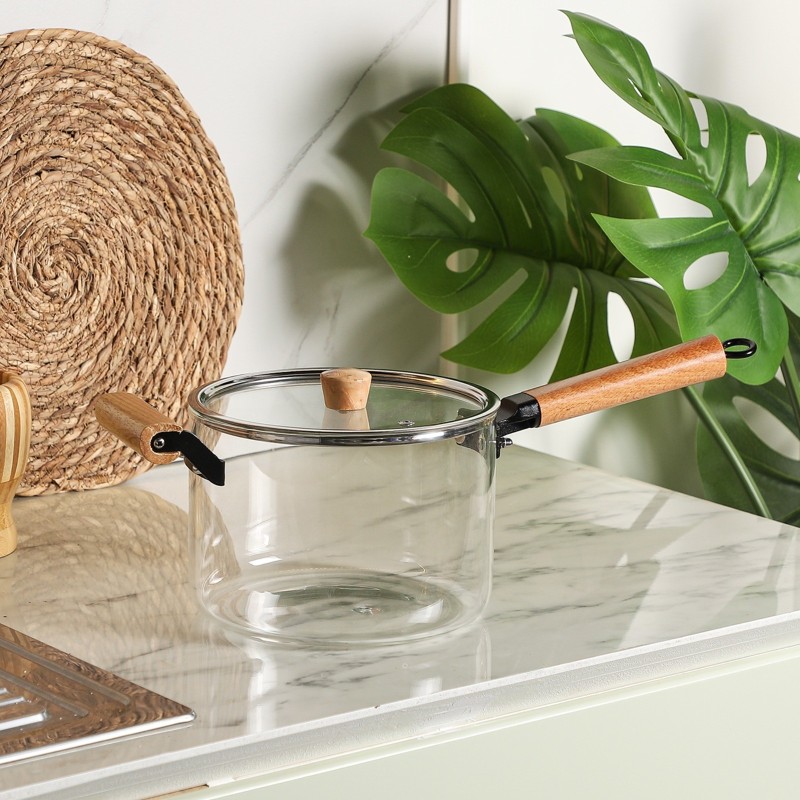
554	207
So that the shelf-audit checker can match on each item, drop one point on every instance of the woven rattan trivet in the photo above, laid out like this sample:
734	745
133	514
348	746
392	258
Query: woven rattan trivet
120	256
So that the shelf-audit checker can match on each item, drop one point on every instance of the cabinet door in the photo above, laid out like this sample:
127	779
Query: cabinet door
723	732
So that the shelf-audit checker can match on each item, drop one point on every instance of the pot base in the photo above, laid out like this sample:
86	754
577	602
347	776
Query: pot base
330	607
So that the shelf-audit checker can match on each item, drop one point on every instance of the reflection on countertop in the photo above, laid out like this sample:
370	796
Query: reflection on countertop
591	572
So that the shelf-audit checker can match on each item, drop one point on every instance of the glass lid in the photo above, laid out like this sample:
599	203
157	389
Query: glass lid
314	406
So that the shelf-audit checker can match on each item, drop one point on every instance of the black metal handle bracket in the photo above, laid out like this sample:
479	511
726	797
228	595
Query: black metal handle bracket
197	456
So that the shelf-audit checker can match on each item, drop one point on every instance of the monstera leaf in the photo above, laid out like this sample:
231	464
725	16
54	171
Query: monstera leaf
751	220
742	466
512	229
771	463
776	474
754	223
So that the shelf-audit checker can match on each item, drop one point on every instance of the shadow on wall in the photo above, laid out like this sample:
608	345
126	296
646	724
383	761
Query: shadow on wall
356	312
652	440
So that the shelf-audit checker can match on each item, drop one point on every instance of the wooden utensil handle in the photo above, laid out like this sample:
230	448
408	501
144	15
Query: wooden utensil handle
683	365
15	439
135	422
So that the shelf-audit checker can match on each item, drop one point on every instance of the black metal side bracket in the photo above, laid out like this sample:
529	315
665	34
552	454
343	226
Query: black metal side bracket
196	455
517	412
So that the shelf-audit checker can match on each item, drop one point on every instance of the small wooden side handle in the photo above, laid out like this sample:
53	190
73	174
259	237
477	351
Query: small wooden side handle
135	422
673	368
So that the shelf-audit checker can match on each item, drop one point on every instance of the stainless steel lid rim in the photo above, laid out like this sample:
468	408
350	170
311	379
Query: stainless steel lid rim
307	436
201	397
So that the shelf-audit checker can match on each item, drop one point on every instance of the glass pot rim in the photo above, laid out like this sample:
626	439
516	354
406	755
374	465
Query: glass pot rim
203	396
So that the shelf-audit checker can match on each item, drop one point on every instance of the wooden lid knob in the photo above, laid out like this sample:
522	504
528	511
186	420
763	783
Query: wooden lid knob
345	389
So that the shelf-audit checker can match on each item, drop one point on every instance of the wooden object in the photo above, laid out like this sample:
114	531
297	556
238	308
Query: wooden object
345	389
134	422
15	438
683	365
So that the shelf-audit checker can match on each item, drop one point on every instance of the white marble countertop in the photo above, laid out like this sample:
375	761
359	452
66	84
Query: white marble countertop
600	582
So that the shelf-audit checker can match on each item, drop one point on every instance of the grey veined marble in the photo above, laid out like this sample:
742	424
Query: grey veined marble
599	581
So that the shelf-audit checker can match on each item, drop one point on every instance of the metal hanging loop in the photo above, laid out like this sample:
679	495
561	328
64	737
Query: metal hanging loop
739	348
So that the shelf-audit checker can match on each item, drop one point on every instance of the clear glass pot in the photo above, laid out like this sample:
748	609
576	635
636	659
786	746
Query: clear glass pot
349	517
345	527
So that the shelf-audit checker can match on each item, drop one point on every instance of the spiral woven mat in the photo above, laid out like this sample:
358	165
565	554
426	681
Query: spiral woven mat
120	255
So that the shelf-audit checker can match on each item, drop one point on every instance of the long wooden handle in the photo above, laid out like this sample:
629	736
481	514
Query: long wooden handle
135	422
683	365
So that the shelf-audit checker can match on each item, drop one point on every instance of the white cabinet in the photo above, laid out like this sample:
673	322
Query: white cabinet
720	732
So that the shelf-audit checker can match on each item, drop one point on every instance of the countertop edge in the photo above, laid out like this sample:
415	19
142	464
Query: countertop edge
425	718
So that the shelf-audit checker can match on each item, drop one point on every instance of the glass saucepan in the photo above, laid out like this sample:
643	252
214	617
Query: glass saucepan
352	507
